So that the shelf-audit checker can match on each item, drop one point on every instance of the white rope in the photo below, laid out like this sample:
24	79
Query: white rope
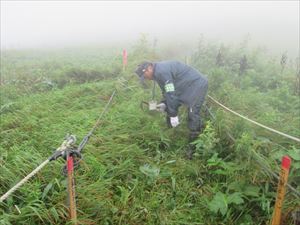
67	143
297	193
25	179
256	123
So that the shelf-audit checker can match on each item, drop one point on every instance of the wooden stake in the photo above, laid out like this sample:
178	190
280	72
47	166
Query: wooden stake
284	173
124	59
71	189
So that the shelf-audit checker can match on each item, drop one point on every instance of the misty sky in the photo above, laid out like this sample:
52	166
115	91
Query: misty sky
274	24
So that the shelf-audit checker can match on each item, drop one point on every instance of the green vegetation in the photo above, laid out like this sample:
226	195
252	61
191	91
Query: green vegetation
134	169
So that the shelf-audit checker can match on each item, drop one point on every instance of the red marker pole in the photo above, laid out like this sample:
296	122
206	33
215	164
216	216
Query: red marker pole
284	173
71	189
124	59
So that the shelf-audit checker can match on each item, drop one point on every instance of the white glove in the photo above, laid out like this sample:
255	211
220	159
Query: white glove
174	121
161	107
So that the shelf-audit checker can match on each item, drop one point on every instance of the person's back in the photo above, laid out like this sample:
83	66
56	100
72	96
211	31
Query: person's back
186	79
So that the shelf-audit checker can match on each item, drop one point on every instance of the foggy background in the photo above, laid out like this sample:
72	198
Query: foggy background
32	24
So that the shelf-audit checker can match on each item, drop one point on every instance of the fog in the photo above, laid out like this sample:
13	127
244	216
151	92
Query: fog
32	24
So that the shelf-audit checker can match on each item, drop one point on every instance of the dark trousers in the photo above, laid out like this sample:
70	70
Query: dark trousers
194	120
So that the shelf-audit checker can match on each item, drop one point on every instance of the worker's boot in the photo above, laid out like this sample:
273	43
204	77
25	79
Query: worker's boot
191	148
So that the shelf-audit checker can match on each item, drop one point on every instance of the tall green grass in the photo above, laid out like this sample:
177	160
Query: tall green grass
134	169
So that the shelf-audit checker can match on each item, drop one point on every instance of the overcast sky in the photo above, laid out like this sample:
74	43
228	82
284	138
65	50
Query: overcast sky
274	24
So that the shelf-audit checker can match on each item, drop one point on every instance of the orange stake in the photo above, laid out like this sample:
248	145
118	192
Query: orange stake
71	189
284	173
124	59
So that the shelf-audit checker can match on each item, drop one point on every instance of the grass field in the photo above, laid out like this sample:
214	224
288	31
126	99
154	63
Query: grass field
134	169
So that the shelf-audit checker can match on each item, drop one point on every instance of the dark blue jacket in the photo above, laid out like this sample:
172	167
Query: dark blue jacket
180	84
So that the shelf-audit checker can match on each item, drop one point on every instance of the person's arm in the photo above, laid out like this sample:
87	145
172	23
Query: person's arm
168	91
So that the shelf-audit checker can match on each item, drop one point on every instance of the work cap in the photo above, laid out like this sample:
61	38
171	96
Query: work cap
142	68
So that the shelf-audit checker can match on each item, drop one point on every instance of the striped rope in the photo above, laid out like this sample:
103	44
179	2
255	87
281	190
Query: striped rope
258	159
24	180
254	122
66	144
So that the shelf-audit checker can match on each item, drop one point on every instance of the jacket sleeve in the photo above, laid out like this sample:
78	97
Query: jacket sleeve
168	91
